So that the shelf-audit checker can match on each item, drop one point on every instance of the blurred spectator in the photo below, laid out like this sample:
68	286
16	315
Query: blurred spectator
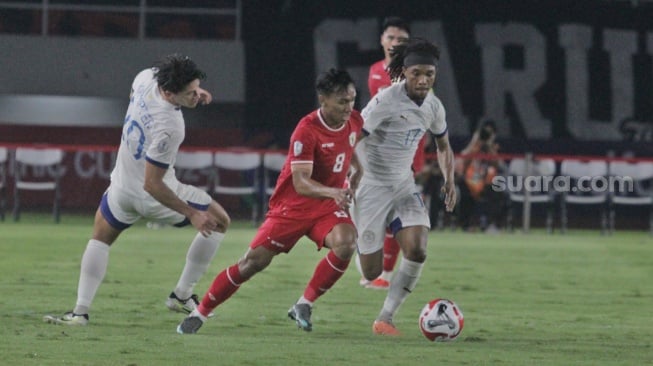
430	179
480	206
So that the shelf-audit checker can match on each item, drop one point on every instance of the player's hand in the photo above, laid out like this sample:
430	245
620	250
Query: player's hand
450	199
355	179
344	198
203	222
205	96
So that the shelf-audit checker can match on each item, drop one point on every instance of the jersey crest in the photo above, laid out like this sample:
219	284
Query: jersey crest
164	144
297	148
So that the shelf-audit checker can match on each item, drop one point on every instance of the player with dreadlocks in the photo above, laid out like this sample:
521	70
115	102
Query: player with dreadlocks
394	122
394	31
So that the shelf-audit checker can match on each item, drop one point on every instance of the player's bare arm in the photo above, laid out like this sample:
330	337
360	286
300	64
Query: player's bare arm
155	186
304	185
446	161
356	173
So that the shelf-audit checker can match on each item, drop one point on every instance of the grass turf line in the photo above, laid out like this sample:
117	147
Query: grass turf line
577	299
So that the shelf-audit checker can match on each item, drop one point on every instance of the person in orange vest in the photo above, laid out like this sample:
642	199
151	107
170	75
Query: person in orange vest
477	175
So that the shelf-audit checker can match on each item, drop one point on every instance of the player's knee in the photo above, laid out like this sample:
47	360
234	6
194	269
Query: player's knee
224	221
415	254
344	246
220	216
344	251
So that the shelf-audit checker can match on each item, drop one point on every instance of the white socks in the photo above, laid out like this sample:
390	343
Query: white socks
402	284
96	258
199	315
93	269
199	256
303	300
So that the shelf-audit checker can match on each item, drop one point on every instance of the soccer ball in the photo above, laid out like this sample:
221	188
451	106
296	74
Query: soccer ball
441	320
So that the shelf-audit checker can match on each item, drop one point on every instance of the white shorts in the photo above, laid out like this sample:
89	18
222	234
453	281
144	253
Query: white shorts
122	210
378	207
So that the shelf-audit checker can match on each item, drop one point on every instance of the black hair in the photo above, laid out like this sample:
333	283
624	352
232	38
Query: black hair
489	123
399	52
174	72
395	22
333	81
483	132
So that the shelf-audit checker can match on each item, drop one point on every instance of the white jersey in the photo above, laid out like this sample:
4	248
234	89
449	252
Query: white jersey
153	131
395	124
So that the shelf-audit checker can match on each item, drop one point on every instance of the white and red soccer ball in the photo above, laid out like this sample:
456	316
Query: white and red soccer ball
441	320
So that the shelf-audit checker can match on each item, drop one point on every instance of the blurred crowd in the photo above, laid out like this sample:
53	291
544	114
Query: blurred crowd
480	208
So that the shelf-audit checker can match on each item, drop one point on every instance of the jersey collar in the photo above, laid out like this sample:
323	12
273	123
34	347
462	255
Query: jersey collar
319	115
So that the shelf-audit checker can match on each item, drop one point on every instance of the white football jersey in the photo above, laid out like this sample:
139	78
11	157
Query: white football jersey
395	124
153	131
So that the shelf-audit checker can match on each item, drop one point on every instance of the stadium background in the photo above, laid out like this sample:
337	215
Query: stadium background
559	77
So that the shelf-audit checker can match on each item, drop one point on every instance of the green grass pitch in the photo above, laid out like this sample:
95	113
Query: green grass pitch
528	299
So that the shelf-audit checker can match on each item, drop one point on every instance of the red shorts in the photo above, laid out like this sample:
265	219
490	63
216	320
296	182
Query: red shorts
280	234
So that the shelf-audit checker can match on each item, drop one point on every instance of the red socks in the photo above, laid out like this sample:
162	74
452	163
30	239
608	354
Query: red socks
390	253
327	272
225	284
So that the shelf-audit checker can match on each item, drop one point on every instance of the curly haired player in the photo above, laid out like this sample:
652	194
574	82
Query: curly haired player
396	119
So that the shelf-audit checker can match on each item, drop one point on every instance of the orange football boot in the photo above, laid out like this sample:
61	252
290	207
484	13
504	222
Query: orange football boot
378	284
384	328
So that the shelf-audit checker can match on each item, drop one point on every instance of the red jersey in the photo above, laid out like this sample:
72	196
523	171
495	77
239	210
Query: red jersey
376	81
420	156
329	150
378	78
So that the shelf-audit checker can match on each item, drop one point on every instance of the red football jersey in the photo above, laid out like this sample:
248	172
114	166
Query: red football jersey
329	150
420	156
378	78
